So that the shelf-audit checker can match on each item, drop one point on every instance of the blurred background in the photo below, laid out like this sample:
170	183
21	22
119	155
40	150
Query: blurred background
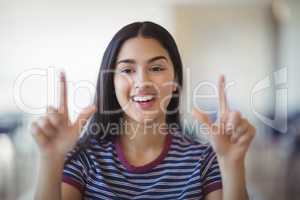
255	43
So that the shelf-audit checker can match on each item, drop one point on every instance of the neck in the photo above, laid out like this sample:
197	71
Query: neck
143	136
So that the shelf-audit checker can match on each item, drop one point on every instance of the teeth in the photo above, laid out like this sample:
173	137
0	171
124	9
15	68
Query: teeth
143	98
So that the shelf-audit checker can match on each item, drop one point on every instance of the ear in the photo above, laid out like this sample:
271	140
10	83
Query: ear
174	85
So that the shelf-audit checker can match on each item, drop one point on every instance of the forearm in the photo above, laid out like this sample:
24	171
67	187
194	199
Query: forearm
49	178
234	181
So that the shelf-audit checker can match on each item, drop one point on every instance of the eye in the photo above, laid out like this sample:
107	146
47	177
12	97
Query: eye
126	70
157	68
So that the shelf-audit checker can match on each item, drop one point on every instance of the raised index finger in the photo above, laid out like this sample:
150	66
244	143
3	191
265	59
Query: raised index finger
63	101
223	106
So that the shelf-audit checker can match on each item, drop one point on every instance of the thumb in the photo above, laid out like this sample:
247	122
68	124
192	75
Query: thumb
201	116
83	116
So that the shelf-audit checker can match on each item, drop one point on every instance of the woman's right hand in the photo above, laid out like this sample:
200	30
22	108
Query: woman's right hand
54	133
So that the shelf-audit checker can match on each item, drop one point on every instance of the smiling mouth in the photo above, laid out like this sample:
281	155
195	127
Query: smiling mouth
143	99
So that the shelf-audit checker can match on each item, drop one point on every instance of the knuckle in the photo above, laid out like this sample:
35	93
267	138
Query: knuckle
44	123
237	116
231	117
51	110
245	121
55	120
35	129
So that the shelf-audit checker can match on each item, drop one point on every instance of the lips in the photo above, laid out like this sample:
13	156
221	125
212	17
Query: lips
144	101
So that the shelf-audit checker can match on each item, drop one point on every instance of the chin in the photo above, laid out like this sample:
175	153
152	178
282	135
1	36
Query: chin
145	119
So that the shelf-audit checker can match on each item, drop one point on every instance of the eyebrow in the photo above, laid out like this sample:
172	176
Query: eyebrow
132	61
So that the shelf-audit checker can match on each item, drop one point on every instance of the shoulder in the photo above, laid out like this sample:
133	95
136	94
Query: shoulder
186	140
87	154
191	145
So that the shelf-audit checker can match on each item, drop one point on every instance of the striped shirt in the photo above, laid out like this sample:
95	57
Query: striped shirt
185	169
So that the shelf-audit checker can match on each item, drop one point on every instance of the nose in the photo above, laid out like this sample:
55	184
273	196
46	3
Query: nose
141	79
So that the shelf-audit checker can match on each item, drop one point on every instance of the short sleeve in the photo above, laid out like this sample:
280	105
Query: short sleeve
74	172
210	174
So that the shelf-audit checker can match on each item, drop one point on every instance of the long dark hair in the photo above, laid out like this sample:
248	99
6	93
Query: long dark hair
105	98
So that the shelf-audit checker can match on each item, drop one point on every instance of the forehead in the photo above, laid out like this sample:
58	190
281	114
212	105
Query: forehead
140	48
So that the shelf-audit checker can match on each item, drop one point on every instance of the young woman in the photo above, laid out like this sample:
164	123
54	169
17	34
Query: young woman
134	146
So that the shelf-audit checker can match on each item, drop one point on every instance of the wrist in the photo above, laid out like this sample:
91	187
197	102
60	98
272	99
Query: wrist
234	178
52	159
229	162
232	169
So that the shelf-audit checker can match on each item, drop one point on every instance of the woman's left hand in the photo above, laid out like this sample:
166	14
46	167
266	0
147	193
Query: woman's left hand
231	134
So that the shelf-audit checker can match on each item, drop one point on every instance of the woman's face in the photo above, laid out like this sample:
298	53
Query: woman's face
144	80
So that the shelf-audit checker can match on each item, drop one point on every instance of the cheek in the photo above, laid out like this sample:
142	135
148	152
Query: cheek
166	92
122	89
166	87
